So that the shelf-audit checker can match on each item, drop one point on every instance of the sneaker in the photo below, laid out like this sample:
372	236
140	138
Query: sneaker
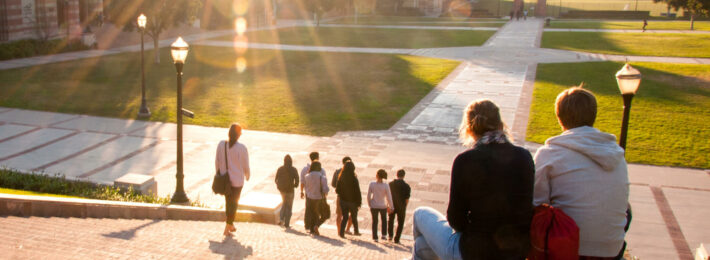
389	238
348	232
384	238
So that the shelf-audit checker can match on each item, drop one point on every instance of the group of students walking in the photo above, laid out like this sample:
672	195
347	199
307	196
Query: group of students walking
494	187
386	201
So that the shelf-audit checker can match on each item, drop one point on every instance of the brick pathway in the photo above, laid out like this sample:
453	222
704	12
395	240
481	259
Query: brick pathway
72	238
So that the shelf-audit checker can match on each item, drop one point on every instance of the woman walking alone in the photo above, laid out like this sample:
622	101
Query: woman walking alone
490	199
379	198
236	164
350	199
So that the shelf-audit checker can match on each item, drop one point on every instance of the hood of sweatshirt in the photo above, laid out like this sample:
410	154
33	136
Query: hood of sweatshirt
598	146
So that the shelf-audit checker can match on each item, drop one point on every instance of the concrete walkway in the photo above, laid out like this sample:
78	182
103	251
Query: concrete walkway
670	204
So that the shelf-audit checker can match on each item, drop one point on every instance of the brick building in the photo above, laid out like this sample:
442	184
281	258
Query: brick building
46	19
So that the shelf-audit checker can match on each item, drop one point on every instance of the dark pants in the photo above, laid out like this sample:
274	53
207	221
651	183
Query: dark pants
349	210
383	217
400	224
313	220
232	201
286	208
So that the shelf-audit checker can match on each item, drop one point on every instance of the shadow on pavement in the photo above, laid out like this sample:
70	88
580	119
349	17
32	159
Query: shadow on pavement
230	248
368	245
130	233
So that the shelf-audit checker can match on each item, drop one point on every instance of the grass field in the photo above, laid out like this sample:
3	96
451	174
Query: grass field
364	37
295	92
669	117
638	44
630	25
32	193
424	21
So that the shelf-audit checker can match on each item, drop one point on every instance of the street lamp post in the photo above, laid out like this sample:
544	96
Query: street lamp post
628	78
179	50
143	111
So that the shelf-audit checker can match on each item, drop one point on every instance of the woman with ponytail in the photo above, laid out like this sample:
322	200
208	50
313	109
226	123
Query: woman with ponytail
490	199
236	164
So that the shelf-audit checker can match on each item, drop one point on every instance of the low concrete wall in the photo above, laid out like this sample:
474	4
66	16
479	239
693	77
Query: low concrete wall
40	206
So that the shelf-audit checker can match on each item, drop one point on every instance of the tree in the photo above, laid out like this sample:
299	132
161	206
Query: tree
318	7
161	14
694	7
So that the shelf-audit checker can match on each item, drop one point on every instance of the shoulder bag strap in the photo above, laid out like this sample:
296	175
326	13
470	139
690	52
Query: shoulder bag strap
226	159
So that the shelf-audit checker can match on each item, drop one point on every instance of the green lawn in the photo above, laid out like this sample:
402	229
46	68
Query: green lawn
632	25
410	19
369	37
33	193
669	117
638	44
314	93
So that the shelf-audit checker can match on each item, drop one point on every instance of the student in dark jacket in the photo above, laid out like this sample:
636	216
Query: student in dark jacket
338	210
490	200
348	190
400	196
286	180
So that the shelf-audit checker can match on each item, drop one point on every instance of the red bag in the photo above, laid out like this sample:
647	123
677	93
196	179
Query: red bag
553	235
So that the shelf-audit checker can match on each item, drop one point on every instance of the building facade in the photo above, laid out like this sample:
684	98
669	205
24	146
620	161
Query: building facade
47	19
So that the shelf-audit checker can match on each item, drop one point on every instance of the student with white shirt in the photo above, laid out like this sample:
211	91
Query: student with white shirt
379	199
237	157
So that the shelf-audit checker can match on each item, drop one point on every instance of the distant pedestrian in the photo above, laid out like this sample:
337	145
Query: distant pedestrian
236	163
314	158
379	199
400	196
316	189
512	15
338	209
645	23
286	180
350	198
525	14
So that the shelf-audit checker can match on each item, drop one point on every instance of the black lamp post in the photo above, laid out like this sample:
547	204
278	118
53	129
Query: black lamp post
143	111
628	79
179	50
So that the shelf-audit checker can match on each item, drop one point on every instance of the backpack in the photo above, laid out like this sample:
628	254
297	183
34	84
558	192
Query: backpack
553	235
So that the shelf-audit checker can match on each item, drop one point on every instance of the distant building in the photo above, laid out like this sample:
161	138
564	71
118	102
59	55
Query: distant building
46	19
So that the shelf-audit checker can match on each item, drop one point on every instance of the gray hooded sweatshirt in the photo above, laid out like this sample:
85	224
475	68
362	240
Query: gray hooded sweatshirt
583	172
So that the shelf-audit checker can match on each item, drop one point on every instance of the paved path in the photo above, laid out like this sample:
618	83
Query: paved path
72	238
669	203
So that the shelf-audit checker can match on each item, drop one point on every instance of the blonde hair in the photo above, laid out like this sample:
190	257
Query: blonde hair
479	117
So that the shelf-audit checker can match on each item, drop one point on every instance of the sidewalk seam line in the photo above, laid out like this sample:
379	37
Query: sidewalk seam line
119	160
672	225
39	146
71	156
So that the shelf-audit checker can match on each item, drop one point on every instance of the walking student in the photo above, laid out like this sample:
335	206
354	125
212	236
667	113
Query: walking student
490	199
237	157
400	196
350	199
316	186
338	209
379	199
314	158
286	180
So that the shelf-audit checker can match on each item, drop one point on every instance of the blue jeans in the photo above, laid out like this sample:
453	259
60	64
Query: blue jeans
286	208
433	237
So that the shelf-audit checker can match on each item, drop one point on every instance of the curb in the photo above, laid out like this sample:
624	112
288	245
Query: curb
41	206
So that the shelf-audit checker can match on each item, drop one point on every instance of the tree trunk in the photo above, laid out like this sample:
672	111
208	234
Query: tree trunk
156	48
692	20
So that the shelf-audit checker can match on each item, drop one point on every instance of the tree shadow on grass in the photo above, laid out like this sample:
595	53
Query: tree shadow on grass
129	233
230	248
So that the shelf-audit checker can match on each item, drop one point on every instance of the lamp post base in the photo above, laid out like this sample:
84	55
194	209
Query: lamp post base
144	112
179	198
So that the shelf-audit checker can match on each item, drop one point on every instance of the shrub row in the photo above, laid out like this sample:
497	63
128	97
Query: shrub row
58	184
33	47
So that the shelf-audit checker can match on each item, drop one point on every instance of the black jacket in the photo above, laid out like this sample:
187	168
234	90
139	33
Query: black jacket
286	179
348	189
400	194
490	201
